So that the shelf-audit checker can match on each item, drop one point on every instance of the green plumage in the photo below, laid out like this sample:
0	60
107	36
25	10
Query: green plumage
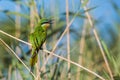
37	38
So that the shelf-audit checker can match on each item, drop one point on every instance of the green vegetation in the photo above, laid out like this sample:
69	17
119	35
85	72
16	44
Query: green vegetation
74	48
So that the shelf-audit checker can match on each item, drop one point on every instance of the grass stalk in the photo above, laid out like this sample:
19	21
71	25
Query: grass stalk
16	56
14	38
68	38
57	43
99	43
53	54
9	72
74	63
82	44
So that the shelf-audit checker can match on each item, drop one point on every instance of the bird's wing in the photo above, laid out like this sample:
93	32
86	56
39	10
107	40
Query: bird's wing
34	56
41	38
33	40
37	39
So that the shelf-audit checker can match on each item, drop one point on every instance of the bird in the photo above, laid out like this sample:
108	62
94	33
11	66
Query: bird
37	39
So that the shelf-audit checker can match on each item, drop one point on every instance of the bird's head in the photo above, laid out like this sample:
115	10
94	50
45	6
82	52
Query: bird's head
45	23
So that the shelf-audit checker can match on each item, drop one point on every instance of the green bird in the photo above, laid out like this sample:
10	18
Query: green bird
37	38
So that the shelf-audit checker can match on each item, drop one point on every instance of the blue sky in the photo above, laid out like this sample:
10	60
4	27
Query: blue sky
104	12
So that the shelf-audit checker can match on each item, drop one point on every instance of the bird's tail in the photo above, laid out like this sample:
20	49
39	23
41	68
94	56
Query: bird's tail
33	60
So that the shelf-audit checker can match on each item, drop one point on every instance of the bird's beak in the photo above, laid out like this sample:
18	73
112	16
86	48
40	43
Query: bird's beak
51	21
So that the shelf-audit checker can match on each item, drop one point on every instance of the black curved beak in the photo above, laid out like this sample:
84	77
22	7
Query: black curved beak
51	21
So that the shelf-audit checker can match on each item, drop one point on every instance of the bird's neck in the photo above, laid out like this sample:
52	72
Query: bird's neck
44	28
39	28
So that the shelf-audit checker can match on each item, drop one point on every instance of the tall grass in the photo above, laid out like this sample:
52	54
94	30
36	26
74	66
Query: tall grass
70	52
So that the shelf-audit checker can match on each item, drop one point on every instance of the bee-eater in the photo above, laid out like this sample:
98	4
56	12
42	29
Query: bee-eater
37	38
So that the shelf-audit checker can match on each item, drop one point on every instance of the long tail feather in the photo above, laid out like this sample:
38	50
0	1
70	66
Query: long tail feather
33	60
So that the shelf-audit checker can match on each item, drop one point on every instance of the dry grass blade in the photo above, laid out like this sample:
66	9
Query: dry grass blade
74	63
57	43
14	37
82	46
68	38
99	43
17	57
9	72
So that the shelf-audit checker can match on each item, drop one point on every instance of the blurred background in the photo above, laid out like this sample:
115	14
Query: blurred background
18	18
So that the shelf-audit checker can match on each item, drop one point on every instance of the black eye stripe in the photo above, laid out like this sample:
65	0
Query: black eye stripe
44	22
